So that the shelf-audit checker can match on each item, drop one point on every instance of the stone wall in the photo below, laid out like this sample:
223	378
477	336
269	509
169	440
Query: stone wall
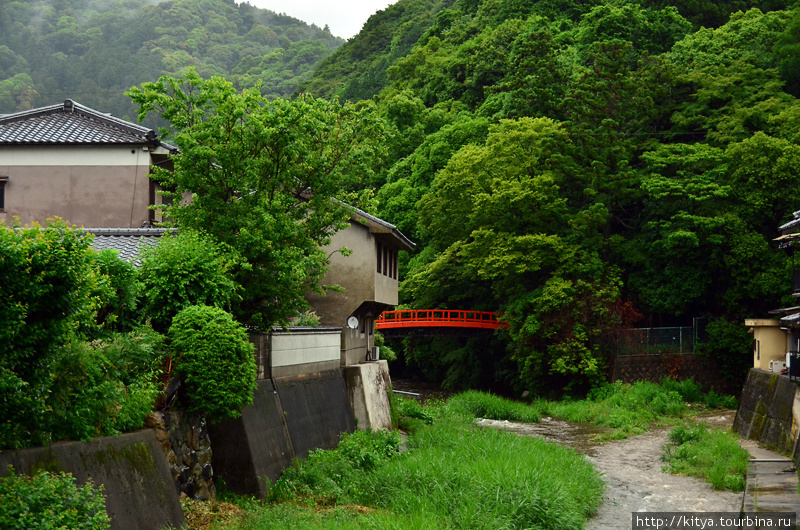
132	468
769	411
680	366
187	447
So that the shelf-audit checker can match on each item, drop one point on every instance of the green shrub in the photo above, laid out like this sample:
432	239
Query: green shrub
215	361
49	501
52	294
103	387
182	271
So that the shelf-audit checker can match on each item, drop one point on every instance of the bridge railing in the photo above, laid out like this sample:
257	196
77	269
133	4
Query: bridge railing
438	318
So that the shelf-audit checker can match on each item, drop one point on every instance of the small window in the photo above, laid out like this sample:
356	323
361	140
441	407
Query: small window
3	181
380	256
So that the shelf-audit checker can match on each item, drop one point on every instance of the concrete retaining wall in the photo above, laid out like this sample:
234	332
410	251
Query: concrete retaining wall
289	417
317	410
769	411
139	489
254	447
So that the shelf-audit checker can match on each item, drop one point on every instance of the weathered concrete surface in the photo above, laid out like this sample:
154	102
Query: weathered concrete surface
138	486
368	387
317	410
255	446
771	482
767	410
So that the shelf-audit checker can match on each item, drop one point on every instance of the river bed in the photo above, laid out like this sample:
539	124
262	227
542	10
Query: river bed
632	471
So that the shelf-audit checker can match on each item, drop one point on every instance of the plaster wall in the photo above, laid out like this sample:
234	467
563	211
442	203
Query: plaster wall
769	342
91	187
355	273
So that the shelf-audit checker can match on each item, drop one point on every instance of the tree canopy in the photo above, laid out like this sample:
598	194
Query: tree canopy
267	180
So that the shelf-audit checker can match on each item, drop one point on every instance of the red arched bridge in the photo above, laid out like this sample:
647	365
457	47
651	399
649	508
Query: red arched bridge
435	322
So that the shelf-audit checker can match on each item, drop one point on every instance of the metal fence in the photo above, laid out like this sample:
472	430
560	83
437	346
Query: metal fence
656	341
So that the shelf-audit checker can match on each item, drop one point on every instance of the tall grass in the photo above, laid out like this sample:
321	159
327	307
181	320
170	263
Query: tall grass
630	409
483	405
711	454
454	475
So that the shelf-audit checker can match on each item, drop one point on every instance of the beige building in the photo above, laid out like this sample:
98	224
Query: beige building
368	276
79	164
769	343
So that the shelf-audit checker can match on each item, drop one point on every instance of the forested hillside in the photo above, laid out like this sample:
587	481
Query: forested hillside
586	166
94	50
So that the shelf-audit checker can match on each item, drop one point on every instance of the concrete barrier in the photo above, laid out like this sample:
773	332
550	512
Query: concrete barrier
132	467
317	410
368	386
769	411
289	417
254	446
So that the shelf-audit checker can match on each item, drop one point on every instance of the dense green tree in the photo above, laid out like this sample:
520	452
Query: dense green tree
267	180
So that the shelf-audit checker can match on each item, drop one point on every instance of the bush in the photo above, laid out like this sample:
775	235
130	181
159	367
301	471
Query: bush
51	295
46	501
215	360
104	387
182	271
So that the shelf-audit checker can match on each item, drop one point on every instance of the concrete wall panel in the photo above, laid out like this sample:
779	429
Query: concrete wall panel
368	387
139	489
317	410
254	446
301	348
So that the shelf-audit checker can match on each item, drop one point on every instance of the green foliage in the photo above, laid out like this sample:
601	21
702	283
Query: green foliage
730	346
181	271
120	310
50	51
711	454
215	360
332	474
49	289
47	500
55	385
408	413
269	181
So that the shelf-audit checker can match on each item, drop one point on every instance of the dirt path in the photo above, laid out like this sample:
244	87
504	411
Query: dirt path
632	471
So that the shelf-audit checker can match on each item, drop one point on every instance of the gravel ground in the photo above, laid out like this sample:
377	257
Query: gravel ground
632	471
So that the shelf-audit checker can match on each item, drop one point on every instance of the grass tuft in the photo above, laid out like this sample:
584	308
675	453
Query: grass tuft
711	454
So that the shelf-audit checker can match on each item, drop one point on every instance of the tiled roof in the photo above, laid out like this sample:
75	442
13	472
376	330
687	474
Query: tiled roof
127	241
407	243
72	123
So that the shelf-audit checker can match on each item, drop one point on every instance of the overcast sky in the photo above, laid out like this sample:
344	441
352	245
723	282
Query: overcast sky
343	17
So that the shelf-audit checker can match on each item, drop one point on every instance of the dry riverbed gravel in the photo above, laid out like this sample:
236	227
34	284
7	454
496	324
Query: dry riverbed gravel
632	470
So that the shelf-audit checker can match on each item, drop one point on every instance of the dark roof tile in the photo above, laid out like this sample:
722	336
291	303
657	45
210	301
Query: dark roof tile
72	123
